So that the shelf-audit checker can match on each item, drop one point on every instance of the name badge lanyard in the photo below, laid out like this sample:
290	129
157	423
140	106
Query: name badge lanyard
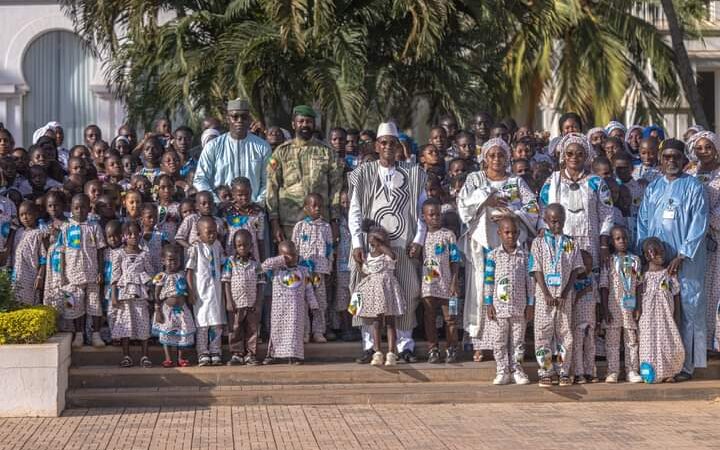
626	280
555	260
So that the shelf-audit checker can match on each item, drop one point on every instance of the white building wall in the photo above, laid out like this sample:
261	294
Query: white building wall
21	23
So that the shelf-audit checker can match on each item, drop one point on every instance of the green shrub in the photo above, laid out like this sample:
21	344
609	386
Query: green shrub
31	325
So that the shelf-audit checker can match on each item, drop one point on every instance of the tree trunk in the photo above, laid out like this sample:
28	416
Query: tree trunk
682	64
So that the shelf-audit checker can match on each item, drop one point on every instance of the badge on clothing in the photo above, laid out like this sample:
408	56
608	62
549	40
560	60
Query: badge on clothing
553	280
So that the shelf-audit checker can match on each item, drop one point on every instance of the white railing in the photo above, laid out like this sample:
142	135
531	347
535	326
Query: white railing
653	13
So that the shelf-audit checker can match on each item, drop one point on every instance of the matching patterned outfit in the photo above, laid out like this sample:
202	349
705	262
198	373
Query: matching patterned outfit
131	273
379	291
188	232
254	223
509	288
556	257
440	250
29	258
178	328
292	295
243	278
584	320
621	281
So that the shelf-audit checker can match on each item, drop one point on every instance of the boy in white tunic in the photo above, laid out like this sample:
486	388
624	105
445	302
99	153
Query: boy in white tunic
204	271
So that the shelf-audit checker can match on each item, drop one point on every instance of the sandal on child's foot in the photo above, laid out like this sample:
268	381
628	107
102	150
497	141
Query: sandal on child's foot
204	360
216	360
565	381
478	356
183	363
126	362
268	360
545	382
250	360
236	360
580	379
145	362
168	363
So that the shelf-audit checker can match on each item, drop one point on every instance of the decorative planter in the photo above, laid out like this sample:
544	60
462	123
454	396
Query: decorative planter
34	378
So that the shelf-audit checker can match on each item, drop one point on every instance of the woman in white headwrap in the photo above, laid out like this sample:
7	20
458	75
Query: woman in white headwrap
704	152
488	195
585	197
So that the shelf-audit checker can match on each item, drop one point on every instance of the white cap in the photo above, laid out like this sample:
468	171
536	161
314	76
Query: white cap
387	129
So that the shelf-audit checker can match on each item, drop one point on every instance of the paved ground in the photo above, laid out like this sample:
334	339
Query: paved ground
636	425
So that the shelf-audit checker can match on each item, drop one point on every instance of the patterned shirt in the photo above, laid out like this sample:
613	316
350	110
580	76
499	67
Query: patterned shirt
243	279
507	284
80	242
621	280
172	284
254	223
314	243
557	257
188	232
440	250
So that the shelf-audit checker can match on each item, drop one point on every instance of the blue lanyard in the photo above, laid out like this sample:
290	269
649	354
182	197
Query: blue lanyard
558	250
620	267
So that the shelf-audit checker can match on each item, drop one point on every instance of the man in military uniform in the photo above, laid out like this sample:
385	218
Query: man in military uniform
297	168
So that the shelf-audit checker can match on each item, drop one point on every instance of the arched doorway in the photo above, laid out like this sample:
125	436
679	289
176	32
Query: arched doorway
58	71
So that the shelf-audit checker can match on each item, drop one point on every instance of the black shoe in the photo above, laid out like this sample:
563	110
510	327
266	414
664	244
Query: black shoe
408	356
433	356
366	357
450	356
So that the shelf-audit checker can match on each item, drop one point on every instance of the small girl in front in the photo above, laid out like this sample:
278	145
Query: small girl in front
29	257
131	275
378	296
661	352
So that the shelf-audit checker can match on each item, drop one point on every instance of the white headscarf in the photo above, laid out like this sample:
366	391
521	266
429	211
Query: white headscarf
208	135
40	132
615	125
710	136
575	138
496	142
592	131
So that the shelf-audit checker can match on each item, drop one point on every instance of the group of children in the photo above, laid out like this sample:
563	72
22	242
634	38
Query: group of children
132	246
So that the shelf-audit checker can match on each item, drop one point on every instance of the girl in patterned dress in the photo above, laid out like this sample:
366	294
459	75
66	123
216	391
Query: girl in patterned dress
439	281
53	274
131	276
29	257
242	214
313	240
152	240
173	321
620	288
586	297
378	295
168	209
242	298
292	295
113	237
661	348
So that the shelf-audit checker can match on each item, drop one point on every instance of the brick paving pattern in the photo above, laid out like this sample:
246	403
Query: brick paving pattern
634	425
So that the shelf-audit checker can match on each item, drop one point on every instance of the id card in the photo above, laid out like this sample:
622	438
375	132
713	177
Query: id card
503	290
553	280
629	302
669	214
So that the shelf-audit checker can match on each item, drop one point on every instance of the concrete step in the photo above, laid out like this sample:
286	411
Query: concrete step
307	374
329	352
374	393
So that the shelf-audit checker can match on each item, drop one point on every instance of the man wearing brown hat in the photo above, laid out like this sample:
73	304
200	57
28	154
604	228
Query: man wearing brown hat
236	153
298	167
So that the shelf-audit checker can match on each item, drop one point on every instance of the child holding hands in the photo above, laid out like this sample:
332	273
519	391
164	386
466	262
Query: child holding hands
554	262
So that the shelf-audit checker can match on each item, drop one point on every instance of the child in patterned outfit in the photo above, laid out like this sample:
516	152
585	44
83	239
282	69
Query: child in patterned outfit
187	232
293	294
53	275
661	352
29	257
82	244
620	288
152	240
242	214
168	209
554	262
131	276
173	321
113	238
510	299
203	272
439	281
378	295
586	299
241	298
342	273
313	239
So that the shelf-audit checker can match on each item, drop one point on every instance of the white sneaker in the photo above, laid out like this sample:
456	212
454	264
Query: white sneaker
78	341
501	379
96	340
391	359
520	378
611	378
634	377
318	337
377	359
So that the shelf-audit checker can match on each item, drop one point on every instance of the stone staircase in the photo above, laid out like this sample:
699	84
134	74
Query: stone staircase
330	377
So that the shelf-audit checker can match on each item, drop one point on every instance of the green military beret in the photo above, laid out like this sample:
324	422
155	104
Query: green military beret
304	110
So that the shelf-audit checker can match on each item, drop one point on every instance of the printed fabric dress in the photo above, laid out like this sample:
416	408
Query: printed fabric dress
440	250
342	285
178	329
30	256
292	294
53	279
379	291
131	273
254	223
169	220
661	347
